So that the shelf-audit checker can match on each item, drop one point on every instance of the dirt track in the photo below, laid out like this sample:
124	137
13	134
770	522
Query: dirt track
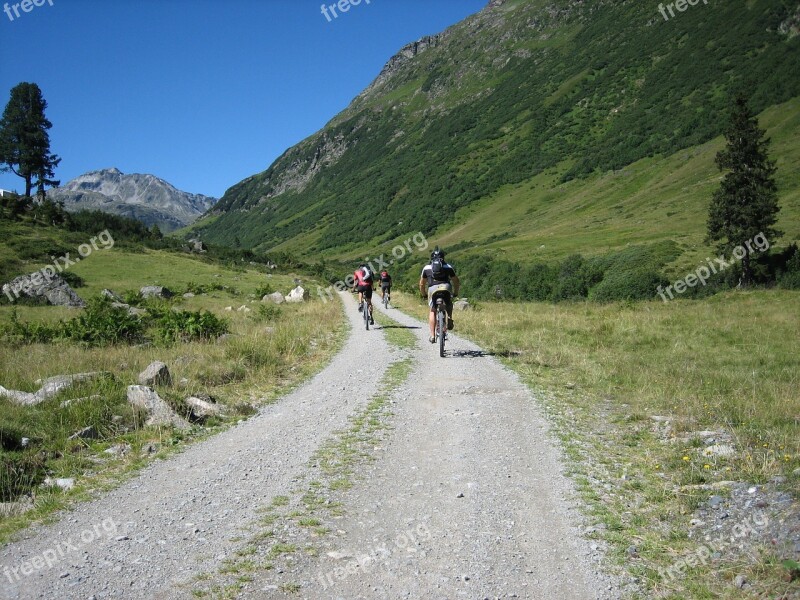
466	497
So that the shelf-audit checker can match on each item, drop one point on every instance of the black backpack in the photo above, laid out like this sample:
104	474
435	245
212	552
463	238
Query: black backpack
438	270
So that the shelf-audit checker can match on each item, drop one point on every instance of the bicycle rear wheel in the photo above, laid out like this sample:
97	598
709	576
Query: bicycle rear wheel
441	328
366	315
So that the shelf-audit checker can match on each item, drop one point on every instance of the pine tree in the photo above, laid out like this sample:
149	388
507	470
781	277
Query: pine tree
24	141
746	203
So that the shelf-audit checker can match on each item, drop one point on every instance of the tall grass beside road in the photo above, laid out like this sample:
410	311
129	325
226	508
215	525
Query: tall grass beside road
268	350
633	389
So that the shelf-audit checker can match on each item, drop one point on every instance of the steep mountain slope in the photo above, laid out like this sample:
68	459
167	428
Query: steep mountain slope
519	88
143	197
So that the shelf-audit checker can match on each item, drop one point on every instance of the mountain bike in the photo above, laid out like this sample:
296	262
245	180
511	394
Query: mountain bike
386	299
440	294
364	308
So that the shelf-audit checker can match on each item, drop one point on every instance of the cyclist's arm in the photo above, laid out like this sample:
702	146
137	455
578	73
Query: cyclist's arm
456	284
422	283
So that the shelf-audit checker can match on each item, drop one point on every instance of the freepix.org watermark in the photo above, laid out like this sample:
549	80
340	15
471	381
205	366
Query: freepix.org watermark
52	556
25	6
706	552
679	5
343	6
702	274
416	243
365	561
59	265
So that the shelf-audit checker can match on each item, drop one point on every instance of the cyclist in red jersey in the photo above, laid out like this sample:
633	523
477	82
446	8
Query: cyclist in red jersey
363	284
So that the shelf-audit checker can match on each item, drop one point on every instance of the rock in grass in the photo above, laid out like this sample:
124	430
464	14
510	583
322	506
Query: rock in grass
50	387
66	483
111	295
462	305
157	373
155	291
87	433
274	297
41	284
159	411
203	408
298	294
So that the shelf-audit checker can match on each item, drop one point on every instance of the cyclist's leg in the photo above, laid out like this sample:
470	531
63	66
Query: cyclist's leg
449	305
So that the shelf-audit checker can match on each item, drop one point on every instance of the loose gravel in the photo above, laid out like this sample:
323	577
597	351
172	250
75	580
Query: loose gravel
466	497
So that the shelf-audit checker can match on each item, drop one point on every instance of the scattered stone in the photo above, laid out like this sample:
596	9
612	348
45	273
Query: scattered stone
740	581
633	552
87	433
157	373
50	387
66	483
229	308
150	448
298	294
17	507
460	495
160	412
118	449
715	501
188	295
243	309
719	450
155	291
72	401
275	298
50	287
183	382
197	246
462	305
111	295
25	442
203	407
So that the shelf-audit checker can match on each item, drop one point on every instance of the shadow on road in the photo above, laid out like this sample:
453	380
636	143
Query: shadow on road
481	353
398	327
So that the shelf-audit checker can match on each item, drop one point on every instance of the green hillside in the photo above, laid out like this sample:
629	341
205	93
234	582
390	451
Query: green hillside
580	127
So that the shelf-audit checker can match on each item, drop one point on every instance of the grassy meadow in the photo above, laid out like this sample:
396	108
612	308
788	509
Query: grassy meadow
630	386
267	350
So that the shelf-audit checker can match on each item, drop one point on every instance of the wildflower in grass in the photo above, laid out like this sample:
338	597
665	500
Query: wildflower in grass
706	466
686	458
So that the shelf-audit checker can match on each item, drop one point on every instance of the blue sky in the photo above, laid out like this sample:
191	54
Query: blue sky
202	93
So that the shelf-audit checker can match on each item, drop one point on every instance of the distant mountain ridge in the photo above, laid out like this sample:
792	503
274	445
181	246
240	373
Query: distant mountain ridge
145	198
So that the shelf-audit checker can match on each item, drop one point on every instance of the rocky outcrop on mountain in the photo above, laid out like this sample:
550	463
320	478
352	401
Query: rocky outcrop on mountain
143	197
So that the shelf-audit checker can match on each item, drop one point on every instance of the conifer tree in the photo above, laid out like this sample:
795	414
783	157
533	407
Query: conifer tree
746	203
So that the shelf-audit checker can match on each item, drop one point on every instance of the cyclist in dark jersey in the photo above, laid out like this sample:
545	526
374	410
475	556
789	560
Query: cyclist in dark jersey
386	284
435	274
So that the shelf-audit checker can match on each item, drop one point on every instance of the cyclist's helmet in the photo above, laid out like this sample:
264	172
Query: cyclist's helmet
437	253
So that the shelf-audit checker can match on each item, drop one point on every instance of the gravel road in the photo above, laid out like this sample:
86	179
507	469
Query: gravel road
466	497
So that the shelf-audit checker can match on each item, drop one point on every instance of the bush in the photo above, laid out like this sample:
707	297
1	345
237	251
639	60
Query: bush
264	290
790	277
639	284
72	279
267	312
102	324
184	325
20	474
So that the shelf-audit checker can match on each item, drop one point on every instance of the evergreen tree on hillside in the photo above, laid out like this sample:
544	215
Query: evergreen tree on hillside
746	203
24	141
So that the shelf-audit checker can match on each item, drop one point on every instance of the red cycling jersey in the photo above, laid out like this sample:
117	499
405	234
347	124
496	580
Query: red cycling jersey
359	277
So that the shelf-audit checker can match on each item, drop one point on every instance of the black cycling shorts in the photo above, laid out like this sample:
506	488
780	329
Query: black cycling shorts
366	290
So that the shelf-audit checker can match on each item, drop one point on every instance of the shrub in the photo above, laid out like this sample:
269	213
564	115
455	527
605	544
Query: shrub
184	325
267	312
20	474
639	284
102	324
790	277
